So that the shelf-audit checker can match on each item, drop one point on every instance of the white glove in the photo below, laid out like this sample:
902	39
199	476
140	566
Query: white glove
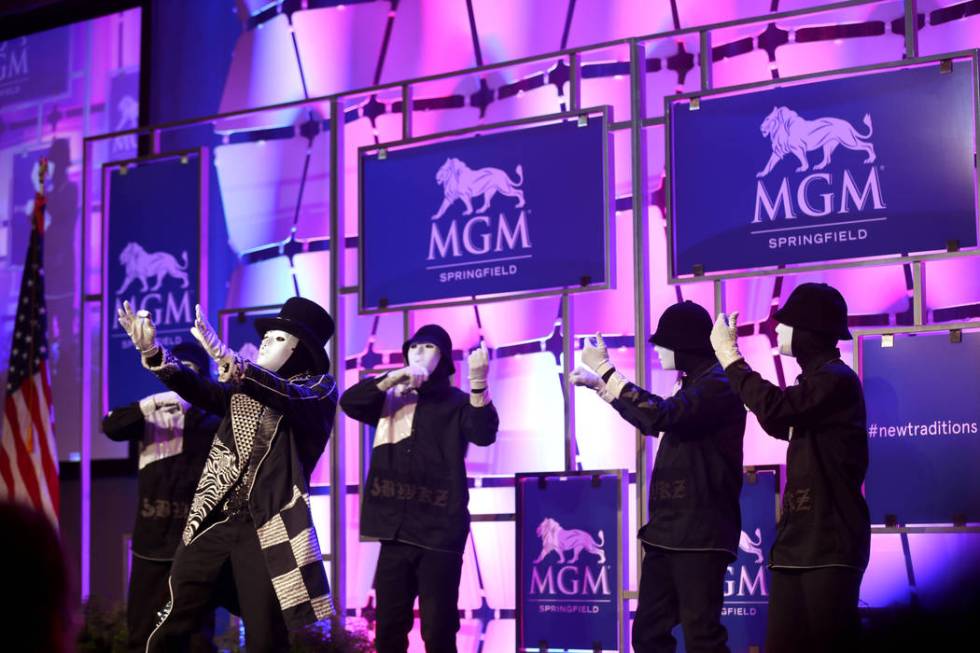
605	394
140	329
479	365
595	355
583	376
724	339
219	351
167	400
411	377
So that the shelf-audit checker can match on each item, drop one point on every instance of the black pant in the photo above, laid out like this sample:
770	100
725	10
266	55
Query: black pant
194	589
814	610
147	595
404	572
685	587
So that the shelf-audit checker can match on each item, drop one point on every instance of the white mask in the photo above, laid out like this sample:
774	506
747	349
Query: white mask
666	357
784	338
276	348
424	354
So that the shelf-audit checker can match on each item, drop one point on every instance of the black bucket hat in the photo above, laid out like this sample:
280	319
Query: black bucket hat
194	353
306	320
685	327
435	334
818	307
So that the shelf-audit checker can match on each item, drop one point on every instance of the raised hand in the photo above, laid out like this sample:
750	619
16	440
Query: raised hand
478	364
140	329
205	334
724	338
596	356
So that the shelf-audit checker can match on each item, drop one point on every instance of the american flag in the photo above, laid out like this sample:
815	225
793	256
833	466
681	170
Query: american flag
28	458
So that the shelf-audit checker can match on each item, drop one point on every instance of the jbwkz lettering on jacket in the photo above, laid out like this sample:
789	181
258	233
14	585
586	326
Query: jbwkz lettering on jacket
798	500
163	509
409	492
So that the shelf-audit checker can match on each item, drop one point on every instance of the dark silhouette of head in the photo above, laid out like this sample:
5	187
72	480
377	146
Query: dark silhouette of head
60	156
39	619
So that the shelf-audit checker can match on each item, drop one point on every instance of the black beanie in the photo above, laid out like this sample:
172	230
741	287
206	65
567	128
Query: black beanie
816	307
684	327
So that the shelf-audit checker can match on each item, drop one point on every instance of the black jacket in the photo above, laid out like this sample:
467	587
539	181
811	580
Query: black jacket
697	475
825	520
416	488
288	422
167	477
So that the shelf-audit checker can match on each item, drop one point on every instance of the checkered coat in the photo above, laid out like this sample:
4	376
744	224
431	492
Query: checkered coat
294	418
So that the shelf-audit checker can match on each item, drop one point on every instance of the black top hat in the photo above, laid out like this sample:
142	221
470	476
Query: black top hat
194	353
817	307
307	321
685	326
437	336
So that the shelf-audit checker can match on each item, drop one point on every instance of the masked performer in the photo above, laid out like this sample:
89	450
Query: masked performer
416	497
173	439
695	520
250	521
824	535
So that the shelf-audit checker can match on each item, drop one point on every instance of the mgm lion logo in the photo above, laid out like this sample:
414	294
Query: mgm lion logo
142	265
752	547
460	182
790	134
557	539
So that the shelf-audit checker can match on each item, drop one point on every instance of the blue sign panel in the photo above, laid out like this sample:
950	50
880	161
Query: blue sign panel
34	67
153	256
861	166
923	434
570	561
500	213
746	607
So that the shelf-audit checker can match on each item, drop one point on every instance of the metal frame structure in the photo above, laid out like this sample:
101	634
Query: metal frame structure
796	268
603	112
92	296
